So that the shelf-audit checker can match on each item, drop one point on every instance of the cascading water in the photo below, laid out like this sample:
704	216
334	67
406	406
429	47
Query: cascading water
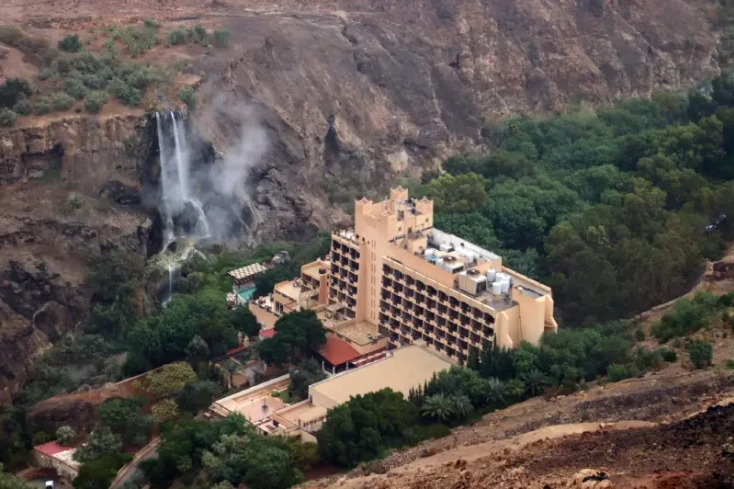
203	196
183	215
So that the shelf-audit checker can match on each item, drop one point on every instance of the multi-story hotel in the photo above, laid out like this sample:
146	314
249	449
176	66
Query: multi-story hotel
394	279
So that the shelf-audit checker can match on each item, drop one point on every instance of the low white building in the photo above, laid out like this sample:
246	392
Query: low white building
51	455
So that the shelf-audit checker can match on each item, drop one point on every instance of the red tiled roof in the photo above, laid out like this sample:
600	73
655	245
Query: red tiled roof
267	333
337	351
51	448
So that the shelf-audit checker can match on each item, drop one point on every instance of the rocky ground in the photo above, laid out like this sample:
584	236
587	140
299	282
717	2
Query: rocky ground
662	431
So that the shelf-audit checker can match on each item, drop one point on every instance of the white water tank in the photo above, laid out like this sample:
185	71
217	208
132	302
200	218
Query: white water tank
491	275
429	252
496	288
505	287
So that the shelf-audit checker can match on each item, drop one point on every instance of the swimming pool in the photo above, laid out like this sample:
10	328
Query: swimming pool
245	293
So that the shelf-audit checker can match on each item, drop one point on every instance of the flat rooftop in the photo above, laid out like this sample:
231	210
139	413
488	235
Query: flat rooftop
249	403
305	412
313	270
404	369
360	332
289	289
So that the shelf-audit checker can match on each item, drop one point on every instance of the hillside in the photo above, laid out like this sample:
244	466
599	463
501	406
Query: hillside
352	95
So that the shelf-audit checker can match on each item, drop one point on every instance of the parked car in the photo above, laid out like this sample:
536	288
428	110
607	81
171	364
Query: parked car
49	485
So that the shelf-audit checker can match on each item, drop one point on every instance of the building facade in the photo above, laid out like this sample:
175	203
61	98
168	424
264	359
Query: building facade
398	280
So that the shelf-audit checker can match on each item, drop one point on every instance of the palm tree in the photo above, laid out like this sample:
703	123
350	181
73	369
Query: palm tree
535	381
516	388
461	406
231	367
437	406
496	390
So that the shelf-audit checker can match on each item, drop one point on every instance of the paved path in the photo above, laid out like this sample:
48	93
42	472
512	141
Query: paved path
125	473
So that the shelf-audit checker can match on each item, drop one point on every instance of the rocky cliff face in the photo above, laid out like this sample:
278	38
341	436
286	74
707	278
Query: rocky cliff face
68	190
357	93
353	94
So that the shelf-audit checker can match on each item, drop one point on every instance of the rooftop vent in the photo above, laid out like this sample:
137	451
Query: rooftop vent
472	272
449	258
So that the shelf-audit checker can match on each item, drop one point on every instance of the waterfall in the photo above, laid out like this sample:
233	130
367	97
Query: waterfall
177	198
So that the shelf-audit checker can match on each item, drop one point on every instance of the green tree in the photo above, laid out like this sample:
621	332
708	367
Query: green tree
535	381
165	410
244	321
99	442
365	426
169	378
9	481
259	462
701	354
516	388
192	398
126	418
197	350
65	435
438	407
231	367
99	473
299	336
496	391
306	374
462	193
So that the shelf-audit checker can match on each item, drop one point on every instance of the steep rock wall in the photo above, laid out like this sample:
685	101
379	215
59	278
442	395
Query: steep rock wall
357	93
46	240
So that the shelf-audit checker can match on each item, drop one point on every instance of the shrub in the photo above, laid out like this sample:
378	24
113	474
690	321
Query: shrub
48	74
187	96
619	372
75	88
176	36
221	38
150	24
137	40
640	335
94	101
12	90
62	101
669	356
7	117
198	34
43	106
71	44
23	107
125	93
730	364
37	49
700	353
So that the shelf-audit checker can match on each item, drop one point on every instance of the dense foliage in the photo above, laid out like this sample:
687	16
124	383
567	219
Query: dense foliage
299	336
125	417
231	450
614	209
366	426
691	315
